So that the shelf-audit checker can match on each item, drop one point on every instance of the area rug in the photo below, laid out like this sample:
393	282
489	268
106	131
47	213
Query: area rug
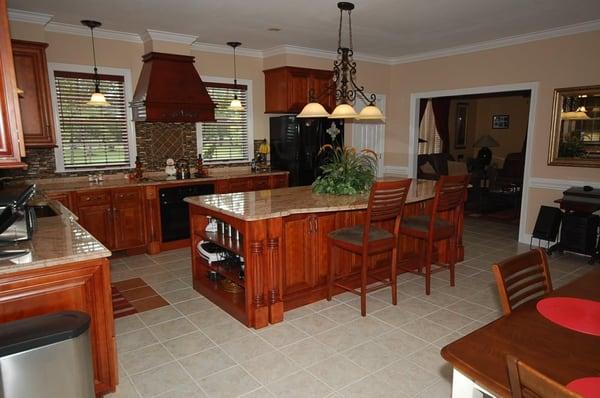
134	295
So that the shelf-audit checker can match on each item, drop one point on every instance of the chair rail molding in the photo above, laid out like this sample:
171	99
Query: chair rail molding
559	184
396	170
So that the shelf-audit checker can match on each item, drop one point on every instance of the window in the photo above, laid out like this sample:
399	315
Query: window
229	138
92	137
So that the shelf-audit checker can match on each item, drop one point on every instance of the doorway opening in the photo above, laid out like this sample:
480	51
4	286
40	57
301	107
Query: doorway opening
483	131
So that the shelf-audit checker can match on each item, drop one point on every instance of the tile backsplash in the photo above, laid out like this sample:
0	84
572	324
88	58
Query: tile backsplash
155	142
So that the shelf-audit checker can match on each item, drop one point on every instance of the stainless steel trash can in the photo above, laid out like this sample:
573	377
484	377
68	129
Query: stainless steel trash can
47	356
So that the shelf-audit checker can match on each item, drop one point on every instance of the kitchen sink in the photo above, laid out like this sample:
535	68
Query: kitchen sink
44	211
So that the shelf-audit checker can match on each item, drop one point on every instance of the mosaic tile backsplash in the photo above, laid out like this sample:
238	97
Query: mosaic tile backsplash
155	143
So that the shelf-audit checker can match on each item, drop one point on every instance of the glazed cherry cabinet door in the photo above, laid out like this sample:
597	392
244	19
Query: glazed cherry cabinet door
128	218
97	220
298	89
299	257
11	148
31	70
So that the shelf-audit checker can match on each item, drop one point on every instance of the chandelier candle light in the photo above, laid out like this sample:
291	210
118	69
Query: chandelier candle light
344	85
236	104
97	98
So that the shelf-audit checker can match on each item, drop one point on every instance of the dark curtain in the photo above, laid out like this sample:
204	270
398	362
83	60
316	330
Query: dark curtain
441	112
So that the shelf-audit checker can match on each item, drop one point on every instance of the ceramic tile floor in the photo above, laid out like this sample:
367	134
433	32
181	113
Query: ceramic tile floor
193	349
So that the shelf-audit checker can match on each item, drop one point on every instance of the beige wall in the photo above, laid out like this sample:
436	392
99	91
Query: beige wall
479	123
559	62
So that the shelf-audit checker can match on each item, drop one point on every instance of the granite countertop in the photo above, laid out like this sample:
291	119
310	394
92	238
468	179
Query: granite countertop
260	205
151	178
57	240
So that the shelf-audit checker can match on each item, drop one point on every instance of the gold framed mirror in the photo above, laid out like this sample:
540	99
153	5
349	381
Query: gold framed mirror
575	130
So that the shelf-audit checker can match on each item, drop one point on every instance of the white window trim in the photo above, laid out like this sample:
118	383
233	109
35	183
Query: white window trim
126	73
249	118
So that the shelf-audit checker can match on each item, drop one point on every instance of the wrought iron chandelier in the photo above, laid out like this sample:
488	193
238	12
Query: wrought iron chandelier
347	91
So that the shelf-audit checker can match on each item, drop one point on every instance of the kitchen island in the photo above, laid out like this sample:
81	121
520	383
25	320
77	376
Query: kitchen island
283	242
66	269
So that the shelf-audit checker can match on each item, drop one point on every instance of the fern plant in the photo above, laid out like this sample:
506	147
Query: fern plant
347	171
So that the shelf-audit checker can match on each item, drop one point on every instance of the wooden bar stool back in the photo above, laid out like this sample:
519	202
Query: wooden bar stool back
522	278
450	196
386	203
526	382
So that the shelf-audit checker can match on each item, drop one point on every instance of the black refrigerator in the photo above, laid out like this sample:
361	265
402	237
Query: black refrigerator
295	145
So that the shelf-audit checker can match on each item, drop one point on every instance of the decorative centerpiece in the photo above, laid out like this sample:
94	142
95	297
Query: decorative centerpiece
347	171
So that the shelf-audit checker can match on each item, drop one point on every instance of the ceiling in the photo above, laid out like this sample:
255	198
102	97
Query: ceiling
386	28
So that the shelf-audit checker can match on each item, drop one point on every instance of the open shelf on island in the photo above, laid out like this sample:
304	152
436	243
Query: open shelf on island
225	242
233	303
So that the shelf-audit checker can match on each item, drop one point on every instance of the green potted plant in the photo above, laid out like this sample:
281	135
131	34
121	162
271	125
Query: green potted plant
346	171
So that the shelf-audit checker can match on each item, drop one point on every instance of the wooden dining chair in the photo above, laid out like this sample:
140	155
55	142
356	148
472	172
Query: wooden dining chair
522	278
386	203
526	382
450	196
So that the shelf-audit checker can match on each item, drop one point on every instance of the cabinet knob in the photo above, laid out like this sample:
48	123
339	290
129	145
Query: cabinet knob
121	196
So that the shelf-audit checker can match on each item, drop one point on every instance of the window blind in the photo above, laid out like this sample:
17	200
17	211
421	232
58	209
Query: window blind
92	136
227	138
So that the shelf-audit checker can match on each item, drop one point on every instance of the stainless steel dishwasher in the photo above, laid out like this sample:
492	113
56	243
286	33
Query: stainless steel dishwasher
47	356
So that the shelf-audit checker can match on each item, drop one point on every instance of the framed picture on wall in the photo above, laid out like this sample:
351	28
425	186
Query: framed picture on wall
460	128
500	121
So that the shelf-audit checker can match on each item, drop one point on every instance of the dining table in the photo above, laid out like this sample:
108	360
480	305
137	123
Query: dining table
561	353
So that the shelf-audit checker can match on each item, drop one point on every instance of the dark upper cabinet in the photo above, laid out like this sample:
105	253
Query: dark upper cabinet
287	89
31	70
11	148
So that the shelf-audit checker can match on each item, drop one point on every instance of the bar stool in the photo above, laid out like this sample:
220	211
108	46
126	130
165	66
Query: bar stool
450	195
386	202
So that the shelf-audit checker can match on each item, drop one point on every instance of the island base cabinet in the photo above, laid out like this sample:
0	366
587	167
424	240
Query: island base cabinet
82	286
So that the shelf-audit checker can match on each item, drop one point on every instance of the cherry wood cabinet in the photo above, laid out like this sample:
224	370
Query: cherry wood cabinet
31	69
287	89
80	286
97	219
305	246
128	218
11	140
63	197
114	216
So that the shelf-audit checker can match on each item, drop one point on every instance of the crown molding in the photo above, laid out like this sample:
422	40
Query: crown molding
71	29
223	49
170	37
45	19
313	52
30	17
498	43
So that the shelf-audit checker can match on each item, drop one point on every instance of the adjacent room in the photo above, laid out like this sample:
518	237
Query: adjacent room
219	199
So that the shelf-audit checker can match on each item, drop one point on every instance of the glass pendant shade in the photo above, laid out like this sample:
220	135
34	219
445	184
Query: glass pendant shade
236	105
313	109
98	99
370	112
343	111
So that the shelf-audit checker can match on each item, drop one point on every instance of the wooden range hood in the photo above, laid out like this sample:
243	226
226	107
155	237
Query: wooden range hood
170	90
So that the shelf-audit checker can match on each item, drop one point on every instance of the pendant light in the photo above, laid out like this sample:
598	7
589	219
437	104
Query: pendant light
236	104
97	98
345	88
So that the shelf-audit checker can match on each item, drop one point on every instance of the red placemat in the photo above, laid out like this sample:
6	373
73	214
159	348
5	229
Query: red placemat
588	387
572	313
